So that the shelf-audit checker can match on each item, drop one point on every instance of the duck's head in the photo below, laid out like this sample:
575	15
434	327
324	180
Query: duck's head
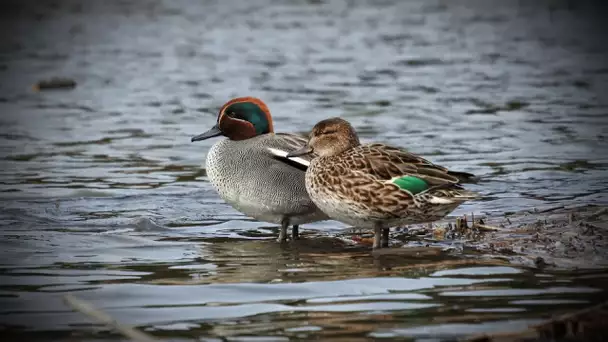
329	137
239	119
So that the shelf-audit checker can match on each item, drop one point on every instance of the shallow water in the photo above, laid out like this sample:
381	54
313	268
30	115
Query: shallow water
103	195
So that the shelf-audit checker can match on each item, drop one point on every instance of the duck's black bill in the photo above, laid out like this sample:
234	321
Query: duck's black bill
212	132
304	150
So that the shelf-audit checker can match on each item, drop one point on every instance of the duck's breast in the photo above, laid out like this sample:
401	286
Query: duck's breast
247	177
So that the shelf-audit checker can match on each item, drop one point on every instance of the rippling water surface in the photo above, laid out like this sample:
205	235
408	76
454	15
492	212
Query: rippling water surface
104	196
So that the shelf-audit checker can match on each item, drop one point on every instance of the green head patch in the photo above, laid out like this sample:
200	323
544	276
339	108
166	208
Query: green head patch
252	113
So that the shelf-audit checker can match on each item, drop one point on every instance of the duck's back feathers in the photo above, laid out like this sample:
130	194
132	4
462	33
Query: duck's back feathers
370	169
387	163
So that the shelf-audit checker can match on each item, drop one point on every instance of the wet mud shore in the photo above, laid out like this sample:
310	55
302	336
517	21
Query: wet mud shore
568	238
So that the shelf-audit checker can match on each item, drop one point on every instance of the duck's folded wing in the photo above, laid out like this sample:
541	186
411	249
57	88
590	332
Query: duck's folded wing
285	143
387	163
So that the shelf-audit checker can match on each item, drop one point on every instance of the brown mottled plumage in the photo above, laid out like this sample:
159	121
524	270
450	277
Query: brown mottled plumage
375	185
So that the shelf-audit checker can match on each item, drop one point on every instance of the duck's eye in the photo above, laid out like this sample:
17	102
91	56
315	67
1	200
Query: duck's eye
331	131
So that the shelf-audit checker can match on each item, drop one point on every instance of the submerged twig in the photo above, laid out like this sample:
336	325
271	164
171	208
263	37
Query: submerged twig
89	310
597	214
546	210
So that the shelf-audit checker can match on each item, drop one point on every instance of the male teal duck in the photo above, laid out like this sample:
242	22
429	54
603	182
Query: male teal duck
250	170
375	185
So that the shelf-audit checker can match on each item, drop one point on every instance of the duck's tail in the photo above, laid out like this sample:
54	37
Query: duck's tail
451	196
464	177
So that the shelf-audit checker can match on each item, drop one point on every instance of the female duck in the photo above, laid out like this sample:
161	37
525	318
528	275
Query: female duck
375	185
250	172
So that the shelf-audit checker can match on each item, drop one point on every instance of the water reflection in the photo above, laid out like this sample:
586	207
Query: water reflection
298	293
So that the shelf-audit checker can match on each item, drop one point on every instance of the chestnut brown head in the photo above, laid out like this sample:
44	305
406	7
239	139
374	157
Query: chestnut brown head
239	119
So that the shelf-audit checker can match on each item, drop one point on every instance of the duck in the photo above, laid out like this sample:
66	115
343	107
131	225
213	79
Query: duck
250	171
376	186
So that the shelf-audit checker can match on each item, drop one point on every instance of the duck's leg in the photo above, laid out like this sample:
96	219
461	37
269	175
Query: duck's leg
377	237
385	233
295	232
283	231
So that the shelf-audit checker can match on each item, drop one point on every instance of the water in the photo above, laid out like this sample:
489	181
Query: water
103	195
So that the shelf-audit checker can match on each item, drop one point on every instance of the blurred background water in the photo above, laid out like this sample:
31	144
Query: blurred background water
103	195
